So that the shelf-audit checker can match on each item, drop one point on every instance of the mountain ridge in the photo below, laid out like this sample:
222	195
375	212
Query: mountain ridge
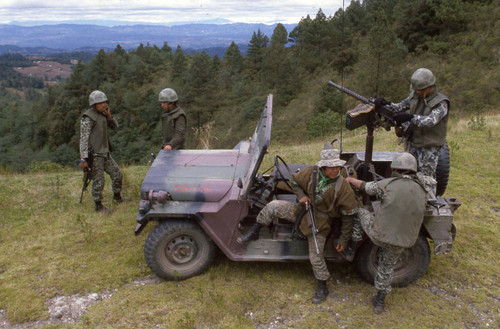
77	36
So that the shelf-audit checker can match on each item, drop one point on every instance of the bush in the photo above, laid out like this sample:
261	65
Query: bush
326	123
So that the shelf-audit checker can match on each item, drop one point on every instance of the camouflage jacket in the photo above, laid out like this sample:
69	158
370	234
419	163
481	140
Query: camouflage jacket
336	200
94	132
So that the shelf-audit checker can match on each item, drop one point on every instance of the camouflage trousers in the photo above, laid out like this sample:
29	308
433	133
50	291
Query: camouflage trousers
427	159
387	255
286	210
99	167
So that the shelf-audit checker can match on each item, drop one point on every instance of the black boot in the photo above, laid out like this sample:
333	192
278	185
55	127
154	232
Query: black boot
349	251
379	301
321	293
250	235
100	208
119	199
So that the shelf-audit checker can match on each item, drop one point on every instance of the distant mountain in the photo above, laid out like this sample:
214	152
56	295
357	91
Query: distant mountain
76	36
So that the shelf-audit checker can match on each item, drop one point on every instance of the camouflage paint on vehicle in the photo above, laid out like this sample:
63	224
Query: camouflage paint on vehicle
222	191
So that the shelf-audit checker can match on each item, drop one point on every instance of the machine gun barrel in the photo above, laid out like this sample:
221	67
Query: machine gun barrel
350	93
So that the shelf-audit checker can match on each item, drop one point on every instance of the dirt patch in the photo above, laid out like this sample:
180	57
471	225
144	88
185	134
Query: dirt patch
69	309
62	309
51	72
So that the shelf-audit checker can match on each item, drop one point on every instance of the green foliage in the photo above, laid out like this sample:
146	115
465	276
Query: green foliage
324	124
44	166
372	47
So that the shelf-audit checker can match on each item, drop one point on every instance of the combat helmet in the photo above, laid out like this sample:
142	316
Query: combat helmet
405	161
168	95
96	97
422	78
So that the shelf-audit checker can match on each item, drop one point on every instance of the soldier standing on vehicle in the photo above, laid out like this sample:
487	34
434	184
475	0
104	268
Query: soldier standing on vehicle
173	121
94	138
396	223
425	113
331	197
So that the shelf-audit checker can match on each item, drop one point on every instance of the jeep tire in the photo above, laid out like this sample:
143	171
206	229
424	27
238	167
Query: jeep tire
412	263
178	249
443	170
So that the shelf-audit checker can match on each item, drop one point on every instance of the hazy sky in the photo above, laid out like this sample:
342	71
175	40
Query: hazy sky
165	11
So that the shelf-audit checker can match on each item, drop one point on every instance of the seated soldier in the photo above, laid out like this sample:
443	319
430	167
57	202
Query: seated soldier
330	195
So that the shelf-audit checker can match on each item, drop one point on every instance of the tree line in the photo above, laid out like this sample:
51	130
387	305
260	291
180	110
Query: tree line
372	47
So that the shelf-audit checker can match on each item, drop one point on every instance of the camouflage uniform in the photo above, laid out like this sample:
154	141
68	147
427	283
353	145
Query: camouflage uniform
392	244
287	211
330	202
430	124
93	132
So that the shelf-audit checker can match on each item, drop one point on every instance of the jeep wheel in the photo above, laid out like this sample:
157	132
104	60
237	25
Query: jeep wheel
412	263
443	170
178	249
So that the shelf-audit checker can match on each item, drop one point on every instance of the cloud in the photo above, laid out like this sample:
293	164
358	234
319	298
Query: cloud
161	11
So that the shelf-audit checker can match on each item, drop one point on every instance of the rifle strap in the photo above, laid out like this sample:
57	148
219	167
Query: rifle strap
314	181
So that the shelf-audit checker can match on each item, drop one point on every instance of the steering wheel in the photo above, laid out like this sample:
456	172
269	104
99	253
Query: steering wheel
277	160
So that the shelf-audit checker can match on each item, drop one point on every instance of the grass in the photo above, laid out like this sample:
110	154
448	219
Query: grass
51	245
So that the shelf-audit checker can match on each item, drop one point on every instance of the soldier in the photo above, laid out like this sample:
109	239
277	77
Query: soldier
331	197
173	121
426	110
396	223
94	138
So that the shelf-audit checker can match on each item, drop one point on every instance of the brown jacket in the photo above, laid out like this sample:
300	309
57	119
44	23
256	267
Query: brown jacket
338	202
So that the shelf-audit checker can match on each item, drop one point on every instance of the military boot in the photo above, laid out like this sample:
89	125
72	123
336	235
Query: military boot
379	301
349	251
119	199
321	293
250	235
100	208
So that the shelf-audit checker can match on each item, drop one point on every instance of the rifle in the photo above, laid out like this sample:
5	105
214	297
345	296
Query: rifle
312	226
86	171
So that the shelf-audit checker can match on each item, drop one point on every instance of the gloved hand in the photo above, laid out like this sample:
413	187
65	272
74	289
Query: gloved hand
402	117
381	101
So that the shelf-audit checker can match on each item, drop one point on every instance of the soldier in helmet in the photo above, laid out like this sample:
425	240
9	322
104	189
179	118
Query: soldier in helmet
396	223
425	112
94	138
323	187
173	121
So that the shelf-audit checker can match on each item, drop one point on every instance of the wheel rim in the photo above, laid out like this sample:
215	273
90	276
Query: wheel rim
181	249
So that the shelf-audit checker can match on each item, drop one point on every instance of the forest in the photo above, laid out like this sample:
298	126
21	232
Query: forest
371	47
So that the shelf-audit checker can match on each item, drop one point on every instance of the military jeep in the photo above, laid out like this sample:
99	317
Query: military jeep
202	200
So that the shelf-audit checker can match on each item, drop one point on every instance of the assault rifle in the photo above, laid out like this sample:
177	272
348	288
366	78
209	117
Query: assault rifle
86	171
312	225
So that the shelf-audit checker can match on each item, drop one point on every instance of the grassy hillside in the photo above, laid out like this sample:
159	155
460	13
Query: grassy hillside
53	247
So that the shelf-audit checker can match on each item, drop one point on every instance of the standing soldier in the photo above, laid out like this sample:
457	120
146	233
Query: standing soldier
425	113
396	223
331	197
173	121
94	138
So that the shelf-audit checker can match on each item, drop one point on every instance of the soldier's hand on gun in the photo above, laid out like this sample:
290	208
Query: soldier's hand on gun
402	117
339	247
84	165
305	201
380	102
